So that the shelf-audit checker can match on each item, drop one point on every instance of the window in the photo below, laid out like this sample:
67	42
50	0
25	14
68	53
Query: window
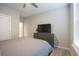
76	40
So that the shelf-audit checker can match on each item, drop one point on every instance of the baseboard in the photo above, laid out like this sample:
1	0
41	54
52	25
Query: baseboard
76	49
62	47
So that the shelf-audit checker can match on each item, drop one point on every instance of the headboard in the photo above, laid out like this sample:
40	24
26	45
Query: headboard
45	36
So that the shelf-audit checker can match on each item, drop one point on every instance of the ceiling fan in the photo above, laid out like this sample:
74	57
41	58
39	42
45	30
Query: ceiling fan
33	4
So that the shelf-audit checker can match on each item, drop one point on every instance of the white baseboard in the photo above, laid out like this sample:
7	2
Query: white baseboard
62	47
76	48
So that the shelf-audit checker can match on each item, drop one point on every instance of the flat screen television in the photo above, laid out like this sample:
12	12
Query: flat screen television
44	28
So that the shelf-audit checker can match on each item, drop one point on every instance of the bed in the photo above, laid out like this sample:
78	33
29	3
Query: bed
25	47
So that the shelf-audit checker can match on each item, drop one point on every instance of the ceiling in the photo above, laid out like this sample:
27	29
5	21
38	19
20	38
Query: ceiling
30	10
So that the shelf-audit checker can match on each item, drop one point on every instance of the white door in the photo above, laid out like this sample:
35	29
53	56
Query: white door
21	29
5	27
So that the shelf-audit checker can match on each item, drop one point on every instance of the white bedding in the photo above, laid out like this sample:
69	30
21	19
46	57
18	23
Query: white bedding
25	47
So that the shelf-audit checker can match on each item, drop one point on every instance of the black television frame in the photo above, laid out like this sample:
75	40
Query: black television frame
44	28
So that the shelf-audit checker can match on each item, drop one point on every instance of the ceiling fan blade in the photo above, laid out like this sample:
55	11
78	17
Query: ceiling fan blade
24	5
34	5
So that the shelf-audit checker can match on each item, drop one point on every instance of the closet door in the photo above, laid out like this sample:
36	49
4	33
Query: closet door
5	27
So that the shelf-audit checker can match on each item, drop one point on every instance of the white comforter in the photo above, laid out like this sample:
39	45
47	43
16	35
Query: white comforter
25	47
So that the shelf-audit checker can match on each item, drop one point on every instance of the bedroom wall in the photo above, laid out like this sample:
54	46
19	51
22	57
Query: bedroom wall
59	20
14	19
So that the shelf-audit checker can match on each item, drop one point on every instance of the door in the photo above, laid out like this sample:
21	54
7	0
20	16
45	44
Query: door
21	29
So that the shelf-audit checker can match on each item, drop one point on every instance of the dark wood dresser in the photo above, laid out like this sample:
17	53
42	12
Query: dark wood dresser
45	36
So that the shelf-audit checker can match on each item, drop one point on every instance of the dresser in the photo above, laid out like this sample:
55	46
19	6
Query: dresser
45	36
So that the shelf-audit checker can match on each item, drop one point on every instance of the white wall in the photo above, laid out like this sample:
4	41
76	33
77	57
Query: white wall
14	19
59	20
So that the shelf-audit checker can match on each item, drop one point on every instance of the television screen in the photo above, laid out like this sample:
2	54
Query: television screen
46	28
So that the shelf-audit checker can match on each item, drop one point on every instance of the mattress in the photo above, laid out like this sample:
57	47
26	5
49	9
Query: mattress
25	47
